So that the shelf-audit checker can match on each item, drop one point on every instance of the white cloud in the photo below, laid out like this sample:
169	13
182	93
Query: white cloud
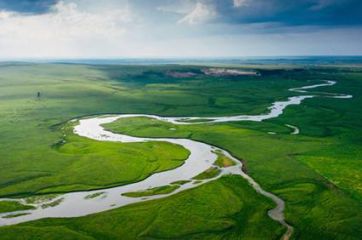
321	4
201	13
180	7
5	14
65	30
177	7
240	3
125	28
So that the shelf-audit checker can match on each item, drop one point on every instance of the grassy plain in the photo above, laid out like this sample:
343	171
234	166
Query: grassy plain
10	206
223	209
209	173
311	197
318	172
39	154
223	161
153	191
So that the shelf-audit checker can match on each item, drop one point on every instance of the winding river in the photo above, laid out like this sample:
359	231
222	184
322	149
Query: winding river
202	157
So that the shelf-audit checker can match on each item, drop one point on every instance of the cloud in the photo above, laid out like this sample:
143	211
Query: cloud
64	29
136	28
290	13
176	7
240	3
201	13
5	15
321	4
27	6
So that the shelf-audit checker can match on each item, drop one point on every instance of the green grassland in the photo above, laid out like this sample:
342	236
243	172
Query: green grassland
33	158
83	164
223	161
202	213
209	173
311	197
153	191
10	206
318	172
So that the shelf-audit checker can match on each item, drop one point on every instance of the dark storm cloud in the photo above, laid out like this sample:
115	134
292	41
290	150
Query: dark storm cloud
27	6
292	12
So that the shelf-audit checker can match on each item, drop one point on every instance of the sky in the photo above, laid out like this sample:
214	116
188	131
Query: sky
179	28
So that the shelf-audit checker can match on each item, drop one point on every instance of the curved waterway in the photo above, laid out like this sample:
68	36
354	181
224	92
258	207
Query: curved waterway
202	157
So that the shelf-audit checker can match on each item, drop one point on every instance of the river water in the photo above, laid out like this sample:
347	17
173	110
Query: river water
202	157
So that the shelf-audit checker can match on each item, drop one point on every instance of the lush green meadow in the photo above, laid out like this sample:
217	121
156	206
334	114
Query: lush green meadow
9	206
202	213
318	173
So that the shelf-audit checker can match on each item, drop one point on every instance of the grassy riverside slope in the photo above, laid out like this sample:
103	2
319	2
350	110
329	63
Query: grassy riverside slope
322	202
224	209
318	172
29	162
274	161
88	164
153	191
8	206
